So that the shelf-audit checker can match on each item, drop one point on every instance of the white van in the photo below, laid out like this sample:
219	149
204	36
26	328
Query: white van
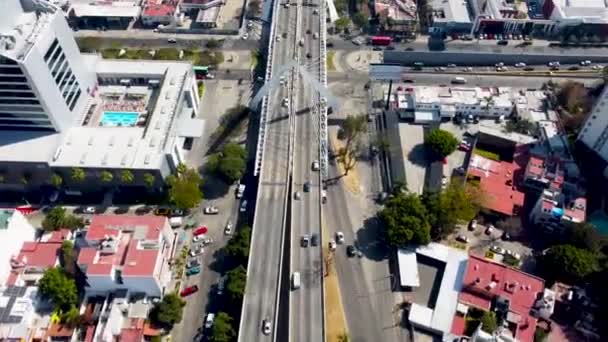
295	280
175	222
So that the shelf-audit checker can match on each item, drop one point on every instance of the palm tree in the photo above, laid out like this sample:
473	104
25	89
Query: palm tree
149	179
126	176
106	176
78	175
489	102
56	180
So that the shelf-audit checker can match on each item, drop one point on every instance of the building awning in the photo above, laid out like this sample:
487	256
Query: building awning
408	268
191	128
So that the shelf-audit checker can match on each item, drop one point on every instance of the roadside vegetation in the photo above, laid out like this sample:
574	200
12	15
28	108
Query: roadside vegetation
184	187
59	218
441	143
352	129
229	163
197	57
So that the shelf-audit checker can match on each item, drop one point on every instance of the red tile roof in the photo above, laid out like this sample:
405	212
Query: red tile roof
485	280
458	325
128	232
499	182
159	10
131	335
39	254
111	225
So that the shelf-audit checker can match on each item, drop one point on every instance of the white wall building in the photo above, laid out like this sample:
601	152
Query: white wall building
61	109
594	133
14	231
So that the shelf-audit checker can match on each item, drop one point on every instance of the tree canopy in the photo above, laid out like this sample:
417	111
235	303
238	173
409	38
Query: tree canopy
184	188
168	311
222	330
58	218
237	248
360	20
230	163
488	321
441	142
405	220
586	236
57	286
456	203
568	263
235	285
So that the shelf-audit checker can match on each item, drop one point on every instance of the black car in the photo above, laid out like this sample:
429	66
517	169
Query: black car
314	240
307	187
503	42
390	47
377	48
351	251
308	55
304	241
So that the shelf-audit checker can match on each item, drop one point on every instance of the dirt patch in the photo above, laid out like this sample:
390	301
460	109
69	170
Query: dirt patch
352	179
230	14
335	320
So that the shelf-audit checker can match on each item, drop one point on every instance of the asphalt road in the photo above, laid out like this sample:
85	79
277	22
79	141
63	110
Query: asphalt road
306	309
268	225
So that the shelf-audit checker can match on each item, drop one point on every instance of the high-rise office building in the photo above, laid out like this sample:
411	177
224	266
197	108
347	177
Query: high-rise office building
44	81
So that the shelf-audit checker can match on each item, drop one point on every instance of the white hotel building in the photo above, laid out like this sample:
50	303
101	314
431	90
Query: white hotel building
60	109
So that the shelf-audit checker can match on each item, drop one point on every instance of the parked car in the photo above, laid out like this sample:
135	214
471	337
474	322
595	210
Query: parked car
89	210
520	65
497	249
350	251
297	195
178	212
489	230
339	237
462	238
211	210
473	225
332	245
243	207
315	165
196	251
188	291
505	236
221	283
193	271
228	228
307	187
193	262
209	320
200	231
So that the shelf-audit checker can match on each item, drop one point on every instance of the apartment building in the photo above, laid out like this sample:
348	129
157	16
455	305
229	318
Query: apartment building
594	133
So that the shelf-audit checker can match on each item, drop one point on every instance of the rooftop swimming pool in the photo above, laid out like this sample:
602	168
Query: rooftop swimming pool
119	119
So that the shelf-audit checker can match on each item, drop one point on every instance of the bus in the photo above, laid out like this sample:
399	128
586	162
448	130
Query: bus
381	40
200	71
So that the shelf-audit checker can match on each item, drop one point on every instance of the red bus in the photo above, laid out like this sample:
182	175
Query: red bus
381	40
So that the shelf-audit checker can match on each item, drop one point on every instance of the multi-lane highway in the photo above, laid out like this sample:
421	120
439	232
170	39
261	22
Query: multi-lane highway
306	309
264	268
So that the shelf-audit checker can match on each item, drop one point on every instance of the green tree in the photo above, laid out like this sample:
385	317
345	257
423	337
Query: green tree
344	338
56	180
360	20
168	311
222	330
184	188
57	286
405	219
106	176
232	168
441	142
342	23
58	218
230	163
585	235
149	179
235	285
352	128
126	176
237	248
78	175
457	203
71	317
489	322
67	252
568	263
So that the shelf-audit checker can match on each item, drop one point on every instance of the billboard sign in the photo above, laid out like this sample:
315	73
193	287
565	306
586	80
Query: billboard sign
386	72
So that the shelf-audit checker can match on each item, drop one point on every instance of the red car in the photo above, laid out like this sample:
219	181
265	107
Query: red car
200	231
188	291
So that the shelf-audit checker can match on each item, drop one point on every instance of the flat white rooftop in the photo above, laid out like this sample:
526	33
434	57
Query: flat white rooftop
440	319
450	11
501	96
117	9
408	268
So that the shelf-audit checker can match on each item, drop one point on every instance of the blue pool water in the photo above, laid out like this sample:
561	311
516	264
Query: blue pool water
125	119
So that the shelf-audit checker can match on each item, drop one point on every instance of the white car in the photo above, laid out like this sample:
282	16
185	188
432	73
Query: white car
228	229
315	165
340	237
473	225
498	65
553	64
462	238
209	320
444	181
278	38
297	195
243	207
520	65
497	249
489	230
172	40
245	36
332	245
196	251
211	210
89	210
467	69
266	326
285	102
